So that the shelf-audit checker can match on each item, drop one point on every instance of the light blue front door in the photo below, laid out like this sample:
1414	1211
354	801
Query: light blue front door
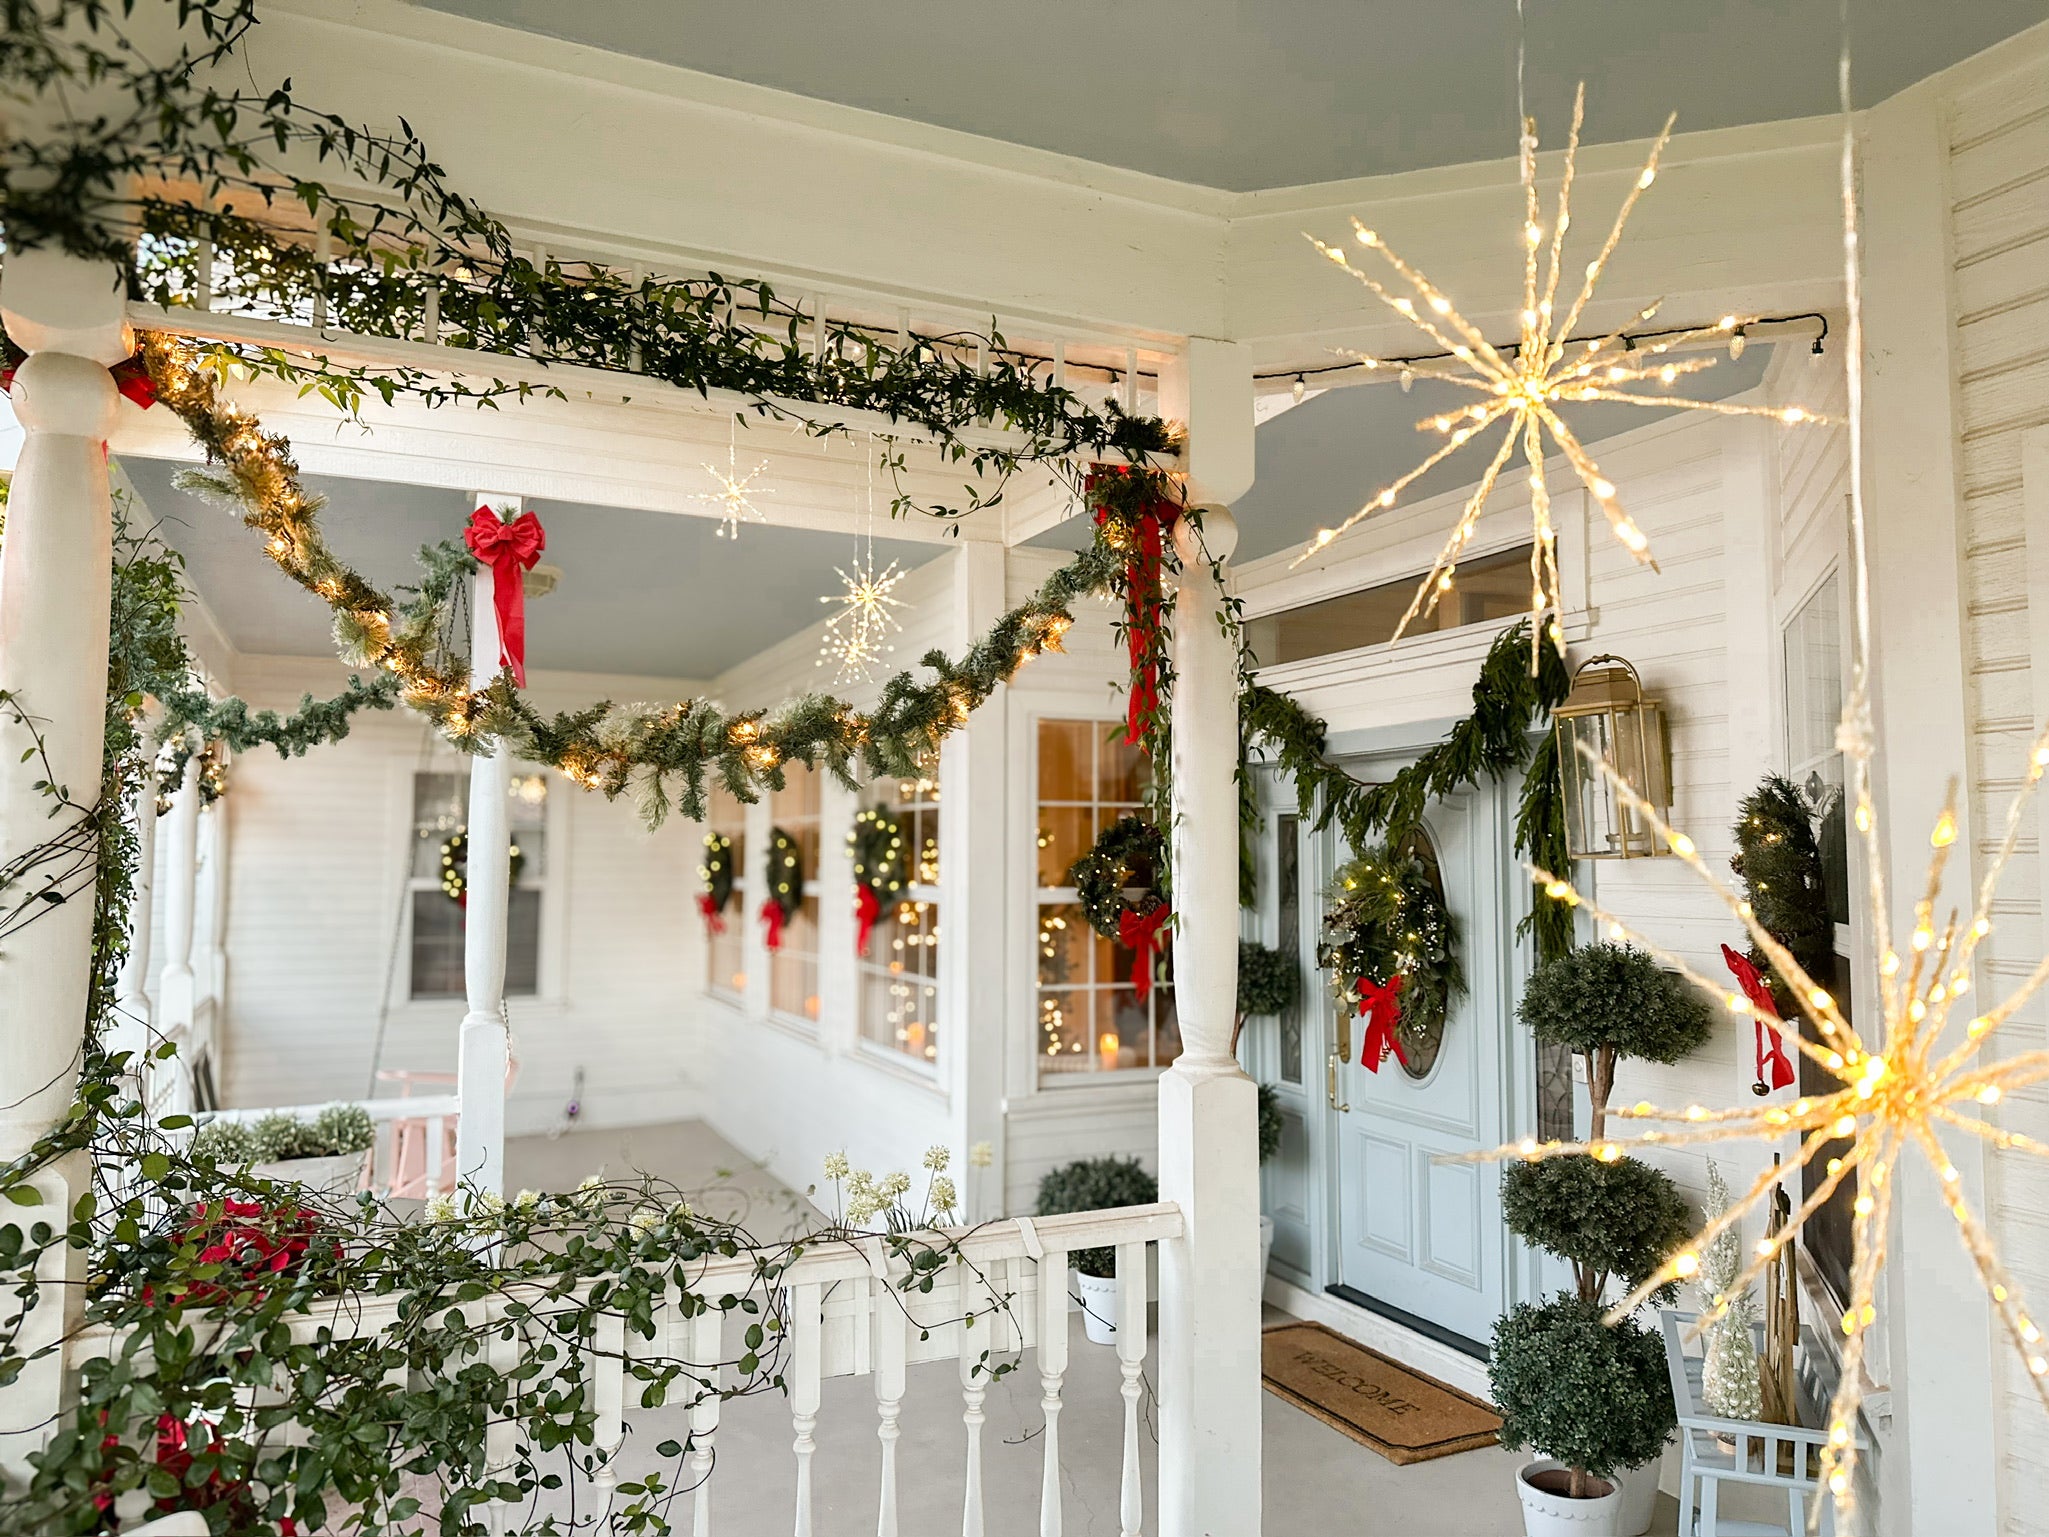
1421	1237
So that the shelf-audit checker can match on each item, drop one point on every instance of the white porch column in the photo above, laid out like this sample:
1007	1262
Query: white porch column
177	988
55	576
131	996
485	1047
1209	1279
210	960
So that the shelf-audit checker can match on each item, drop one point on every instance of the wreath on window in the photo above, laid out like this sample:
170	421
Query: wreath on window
785	895
1391	947
1130	852
717	874
455	868
876	847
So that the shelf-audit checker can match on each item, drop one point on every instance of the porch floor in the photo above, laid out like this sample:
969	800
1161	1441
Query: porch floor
1314	1478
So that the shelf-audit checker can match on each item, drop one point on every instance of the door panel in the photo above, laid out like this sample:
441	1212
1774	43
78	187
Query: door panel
1417	1234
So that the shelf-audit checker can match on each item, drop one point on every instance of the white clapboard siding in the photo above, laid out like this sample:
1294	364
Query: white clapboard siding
318	853
1998	168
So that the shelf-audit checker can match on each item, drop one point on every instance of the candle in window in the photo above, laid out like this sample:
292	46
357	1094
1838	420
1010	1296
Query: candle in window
1106	1049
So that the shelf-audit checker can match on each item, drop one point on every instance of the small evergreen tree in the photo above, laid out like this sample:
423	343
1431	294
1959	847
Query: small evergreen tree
1595	1396
1607	1001
1095	1184
1619	1219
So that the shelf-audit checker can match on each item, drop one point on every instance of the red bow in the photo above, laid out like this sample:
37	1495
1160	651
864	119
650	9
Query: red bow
772	923
1773	1070
1380	1005
1140	934
867	908
1141	601
713	923
508	548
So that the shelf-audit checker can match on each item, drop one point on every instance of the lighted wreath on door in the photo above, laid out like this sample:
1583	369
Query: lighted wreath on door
1391	947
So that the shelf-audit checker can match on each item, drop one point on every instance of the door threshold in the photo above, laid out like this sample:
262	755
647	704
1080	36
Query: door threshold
1409	1321
1388	1335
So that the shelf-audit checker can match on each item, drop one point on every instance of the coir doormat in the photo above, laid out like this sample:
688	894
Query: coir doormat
1402	1414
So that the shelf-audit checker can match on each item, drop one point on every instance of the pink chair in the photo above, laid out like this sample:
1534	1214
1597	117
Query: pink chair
410	1134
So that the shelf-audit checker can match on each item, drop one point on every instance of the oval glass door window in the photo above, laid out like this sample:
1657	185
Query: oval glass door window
1422	1030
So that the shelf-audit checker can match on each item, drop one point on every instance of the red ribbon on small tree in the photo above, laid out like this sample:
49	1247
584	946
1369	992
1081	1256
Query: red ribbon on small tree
1774	1070
772	923
510	549
713	923
1140	530
1140	934
1380	1005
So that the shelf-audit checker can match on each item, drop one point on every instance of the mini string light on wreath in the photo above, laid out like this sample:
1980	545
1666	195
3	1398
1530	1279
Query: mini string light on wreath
455	868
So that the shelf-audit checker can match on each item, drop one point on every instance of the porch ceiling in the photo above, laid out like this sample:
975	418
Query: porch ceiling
1251	94
644	593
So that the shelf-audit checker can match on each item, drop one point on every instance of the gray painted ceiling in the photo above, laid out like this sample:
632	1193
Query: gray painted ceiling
1245	94
648	593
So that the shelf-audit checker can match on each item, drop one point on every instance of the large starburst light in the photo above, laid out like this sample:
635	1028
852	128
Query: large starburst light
1524	384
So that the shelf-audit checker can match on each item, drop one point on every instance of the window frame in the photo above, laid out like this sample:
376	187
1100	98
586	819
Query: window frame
812	892
932	893
549	960
1032	898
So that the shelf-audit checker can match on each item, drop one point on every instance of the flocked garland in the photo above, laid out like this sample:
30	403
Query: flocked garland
1387	920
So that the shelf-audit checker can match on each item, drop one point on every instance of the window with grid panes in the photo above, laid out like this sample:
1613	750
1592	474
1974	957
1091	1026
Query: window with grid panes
1088	1019
725	952
441	808
900	970
793	966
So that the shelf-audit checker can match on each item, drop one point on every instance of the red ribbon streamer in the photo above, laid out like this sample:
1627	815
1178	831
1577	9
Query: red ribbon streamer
1141	601
1380	1005
1140	934
713	923
772	923
509	549
1774	1071
867	908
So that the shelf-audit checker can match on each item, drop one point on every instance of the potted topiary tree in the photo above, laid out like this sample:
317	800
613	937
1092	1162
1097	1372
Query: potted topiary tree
1096	1184
1269	1144
1593	1397
1607	1001
1268	983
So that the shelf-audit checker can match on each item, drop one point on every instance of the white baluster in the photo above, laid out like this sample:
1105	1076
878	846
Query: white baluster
975	1342
437	1131
1052	1373
430	311
1131	1357
706	1335
323	251
805	1350
891	1346
608	1404
132	997
202	273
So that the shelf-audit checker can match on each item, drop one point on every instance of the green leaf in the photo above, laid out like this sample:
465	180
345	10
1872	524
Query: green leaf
24	1195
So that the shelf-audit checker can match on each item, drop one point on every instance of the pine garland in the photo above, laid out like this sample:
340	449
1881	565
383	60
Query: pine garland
192	717
1489	743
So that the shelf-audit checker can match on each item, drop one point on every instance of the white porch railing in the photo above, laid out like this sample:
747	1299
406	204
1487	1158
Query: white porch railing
414	1154
845	1316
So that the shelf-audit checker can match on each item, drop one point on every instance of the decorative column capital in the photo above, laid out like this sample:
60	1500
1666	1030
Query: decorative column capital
64	394
1217	539
55	302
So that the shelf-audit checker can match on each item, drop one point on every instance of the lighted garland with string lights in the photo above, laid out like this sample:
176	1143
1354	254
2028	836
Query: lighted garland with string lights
668	755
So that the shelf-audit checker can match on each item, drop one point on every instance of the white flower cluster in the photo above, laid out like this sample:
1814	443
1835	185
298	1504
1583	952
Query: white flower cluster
866	1196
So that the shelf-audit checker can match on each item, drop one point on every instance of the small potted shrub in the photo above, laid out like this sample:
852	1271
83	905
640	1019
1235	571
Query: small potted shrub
1096	1184
1269	1144
228	1144
327	1153
1608	1001
1268	983
1593	1397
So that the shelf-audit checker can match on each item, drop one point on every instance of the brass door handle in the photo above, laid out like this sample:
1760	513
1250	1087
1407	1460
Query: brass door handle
1331	1082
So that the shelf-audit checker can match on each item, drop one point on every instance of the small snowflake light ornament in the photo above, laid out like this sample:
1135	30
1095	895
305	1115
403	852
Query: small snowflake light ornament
735	495
857	635
1524	384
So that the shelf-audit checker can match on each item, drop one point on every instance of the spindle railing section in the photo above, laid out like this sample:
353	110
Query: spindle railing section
846	1313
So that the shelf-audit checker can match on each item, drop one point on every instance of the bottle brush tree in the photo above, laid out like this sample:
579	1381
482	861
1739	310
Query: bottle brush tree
1607	1001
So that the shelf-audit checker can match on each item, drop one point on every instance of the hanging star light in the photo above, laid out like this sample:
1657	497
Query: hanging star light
1895	1092
734	497
1524	384
856	636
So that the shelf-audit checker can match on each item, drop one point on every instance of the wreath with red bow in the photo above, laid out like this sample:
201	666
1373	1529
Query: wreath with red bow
1391	947
1129	853
876	848
717	874
455	868
785	895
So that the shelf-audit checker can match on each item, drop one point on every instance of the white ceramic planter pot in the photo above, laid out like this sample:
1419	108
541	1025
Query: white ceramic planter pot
1098	1306
1266	1245
1546	1514
341	1174
1639	1499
